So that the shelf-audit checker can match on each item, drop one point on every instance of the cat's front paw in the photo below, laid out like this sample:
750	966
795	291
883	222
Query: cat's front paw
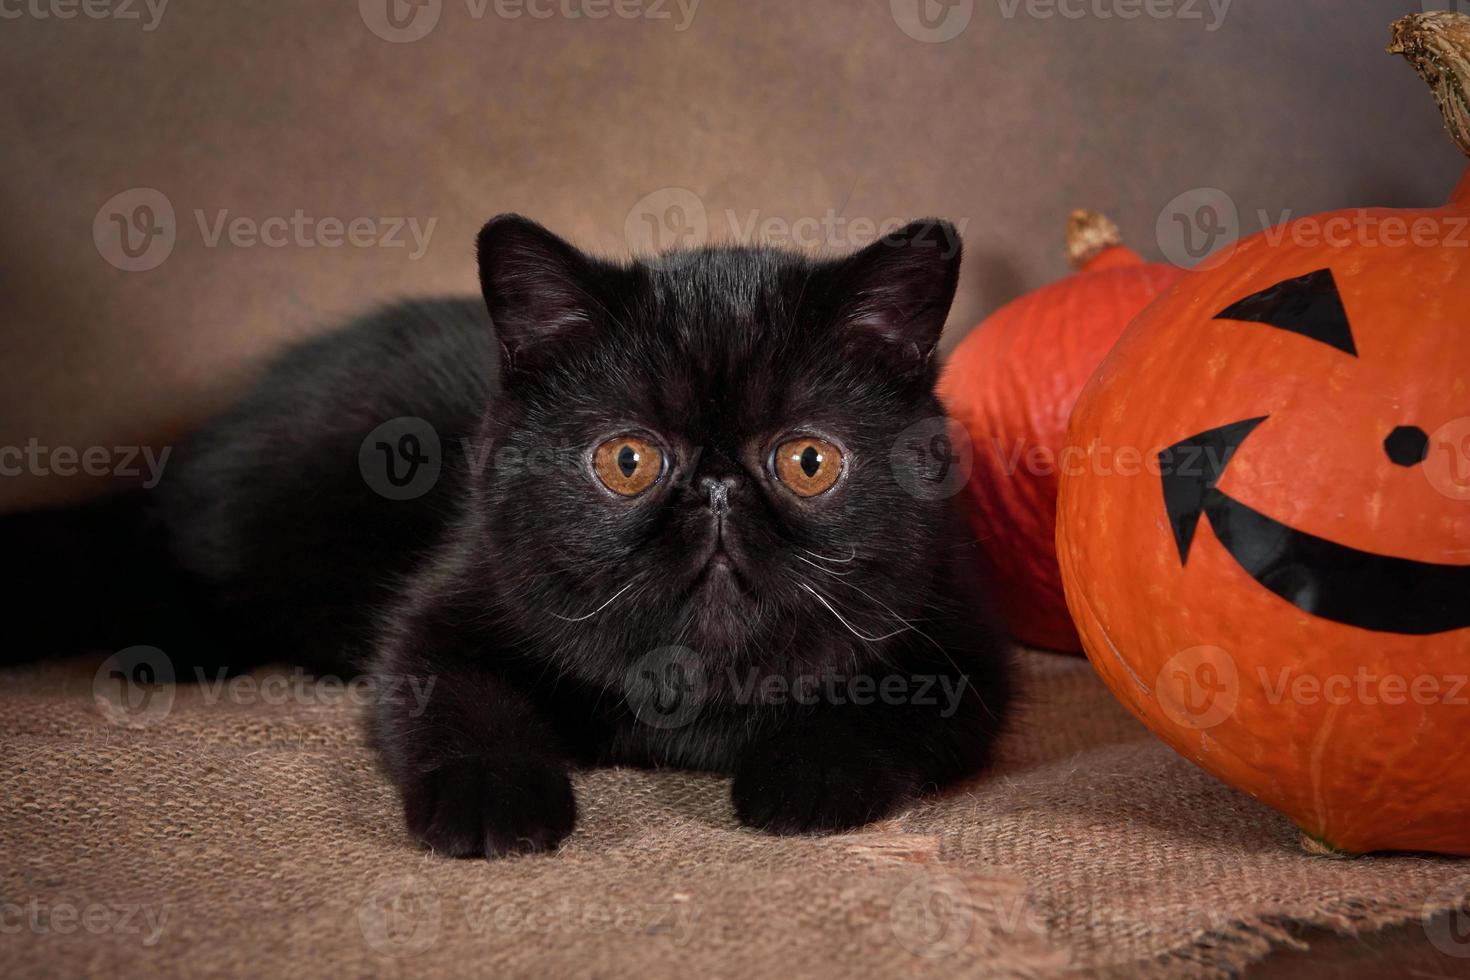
788	787
490	808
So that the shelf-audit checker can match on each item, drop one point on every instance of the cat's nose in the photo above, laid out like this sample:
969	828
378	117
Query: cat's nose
717	490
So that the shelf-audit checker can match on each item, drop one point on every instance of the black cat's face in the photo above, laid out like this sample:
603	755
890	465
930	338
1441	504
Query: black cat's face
713	445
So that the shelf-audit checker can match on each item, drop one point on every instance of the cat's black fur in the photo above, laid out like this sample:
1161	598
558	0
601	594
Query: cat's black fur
552	620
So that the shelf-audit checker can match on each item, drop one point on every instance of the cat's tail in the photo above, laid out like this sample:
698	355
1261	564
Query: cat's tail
88	578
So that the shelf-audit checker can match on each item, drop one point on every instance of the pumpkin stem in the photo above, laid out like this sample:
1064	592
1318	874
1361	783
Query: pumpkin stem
1090	236
1437	44
1319	846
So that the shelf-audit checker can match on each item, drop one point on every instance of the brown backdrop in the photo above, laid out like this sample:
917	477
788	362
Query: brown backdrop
778	109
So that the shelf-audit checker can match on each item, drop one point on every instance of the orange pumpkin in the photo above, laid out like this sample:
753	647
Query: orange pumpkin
1267	551
1012	383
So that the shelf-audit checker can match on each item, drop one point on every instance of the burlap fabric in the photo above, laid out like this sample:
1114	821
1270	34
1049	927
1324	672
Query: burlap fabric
242	832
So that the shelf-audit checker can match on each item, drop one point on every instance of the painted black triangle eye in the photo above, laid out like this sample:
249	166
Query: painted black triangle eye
1309	305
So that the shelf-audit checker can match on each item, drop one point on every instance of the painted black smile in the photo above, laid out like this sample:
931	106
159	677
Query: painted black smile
1345	585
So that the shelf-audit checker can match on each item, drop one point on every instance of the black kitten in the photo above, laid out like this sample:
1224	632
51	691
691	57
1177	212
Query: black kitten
668	522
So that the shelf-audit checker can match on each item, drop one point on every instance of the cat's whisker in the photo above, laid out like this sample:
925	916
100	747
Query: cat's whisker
907	622
843	620
822	568
578	619
835	561
908	625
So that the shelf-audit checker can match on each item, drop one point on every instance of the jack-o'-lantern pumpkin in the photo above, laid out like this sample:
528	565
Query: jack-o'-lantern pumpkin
1266	547
1012	383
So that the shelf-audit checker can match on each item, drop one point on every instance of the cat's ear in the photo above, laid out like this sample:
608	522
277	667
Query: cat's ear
539	288
896	293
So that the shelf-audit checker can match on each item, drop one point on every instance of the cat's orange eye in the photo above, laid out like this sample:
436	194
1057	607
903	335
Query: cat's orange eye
808	466
628	465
